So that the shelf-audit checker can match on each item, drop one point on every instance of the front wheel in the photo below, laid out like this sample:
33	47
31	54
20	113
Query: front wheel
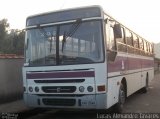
122	97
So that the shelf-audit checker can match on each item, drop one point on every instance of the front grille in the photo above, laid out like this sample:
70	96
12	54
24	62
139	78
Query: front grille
59	89
59	102
61	95
60	81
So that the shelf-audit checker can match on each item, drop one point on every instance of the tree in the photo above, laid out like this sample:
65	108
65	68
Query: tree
18	42
4	25
11	42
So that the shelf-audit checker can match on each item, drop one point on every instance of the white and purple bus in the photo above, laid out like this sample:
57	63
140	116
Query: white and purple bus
83	58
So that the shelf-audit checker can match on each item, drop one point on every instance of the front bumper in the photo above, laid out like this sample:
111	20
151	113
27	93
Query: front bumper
90	101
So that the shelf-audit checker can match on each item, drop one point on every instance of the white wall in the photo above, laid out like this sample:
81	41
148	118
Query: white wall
10	79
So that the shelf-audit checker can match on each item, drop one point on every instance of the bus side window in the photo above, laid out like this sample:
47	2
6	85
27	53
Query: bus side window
135	41
148	49
121	43
129	38
121	40
145	47
136	44
111	40
151	49
111	44
140	44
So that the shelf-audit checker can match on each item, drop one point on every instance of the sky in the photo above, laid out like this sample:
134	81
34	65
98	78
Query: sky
141	16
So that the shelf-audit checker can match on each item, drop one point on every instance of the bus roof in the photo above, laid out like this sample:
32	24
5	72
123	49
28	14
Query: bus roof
65	15
67	9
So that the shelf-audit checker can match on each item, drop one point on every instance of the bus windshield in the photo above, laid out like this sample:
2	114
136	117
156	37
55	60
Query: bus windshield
65	44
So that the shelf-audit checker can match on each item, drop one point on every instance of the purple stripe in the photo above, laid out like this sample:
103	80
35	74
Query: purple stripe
129	64
60	75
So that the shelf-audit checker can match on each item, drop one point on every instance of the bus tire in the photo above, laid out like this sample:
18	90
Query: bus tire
121	99
145	89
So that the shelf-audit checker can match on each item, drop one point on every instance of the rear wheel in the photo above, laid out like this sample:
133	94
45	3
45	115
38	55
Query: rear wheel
145	89
122	97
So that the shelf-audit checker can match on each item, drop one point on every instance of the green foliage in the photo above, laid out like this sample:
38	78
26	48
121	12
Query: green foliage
11	41
3	27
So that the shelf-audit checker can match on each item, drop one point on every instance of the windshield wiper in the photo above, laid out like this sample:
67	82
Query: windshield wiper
71	32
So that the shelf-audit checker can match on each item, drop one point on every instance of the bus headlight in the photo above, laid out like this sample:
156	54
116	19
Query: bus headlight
36	89
81	89
90	88
30	89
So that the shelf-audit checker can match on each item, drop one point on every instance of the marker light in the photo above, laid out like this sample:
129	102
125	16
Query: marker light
30	89
36	89
81	89
90	88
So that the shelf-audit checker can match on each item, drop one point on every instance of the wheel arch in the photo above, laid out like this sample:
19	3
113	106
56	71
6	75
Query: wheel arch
124	82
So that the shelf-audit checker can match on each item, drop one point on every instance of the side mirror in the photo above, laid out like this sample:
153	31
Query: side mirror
117	31
105	20
111	55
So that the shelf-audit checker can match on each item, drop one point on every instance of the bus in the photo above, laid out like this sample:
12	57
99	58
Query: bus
82	58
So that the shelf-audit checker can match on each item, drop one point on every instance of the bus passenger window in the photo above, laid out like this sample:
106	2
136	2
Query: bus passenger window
129	38
135	41
121	43
150	48
111	41
136	44
145	46
121	40
140	43
111	46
